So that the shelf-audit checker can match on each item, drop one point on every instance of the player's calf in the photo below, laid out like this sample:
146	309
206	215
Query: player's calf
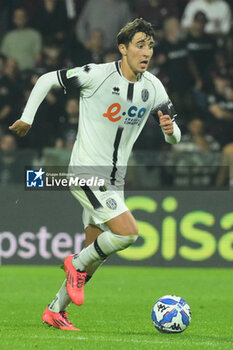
75	266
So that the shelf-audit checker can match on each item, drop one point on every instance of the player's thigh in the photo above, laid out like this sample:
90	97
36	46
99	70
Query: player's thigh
123	224
92	232
111	204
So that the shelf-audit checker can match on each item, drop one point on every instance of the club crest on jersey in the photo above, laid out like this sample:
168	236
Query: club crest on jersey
116	90
145	95
111	203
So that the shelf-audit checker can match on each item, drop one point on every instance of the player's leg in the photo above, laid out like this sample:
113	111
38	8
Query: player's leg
121	234
92	232
62	299
124	224
55	314
120	231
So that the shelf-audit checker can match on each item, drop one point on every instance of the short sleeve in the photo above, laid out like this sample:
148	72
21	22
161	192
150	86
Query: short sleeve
161	95
83	78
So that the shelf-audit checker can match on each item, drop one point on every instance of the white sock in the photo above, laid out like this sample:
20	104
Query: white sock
61	301
106	244
91	269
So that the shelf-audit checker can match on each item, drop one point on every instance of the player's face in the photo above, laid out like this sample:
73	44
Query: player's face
136	56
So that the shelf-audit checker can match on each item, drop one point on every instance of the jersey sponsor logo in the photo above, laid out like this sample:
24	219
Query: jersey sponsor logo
133	115
112	111
145	95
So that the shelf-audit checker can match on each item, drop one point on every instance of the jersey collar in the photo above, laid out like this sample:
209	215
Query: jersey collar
118	67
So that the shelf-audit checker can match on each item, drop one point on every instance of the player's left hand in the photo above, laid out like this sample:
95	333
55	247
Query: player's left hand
166	123
20	128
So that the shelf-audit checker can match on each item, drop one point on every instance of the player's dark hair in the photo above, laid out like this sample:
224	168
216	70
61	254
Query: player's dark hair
127	33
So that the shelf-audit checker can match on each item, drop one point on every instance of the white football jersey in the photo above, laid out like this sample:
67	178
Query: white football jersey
113	112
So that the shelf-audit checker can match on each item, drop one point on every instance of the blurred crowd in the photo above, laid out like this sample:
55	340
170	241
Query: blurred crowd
193	58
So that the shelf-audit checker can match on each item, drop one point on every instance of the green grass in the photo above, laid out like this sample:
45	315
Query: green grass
117	310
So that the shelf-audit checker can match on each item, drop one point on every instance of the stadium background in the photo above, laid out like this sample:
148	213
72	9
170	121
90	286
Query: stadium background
180	195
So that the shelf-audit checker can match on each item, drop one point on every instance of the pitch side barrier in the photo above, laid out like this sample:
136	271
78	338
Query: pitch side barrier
177	228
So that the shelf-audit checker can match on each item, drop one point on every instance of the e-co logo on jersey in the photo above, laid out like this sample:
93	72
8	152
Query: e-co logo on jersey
114	109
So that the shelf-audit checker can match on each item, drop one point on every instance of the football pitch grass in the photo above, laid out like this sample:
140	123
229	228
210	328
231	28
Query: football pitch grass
117	309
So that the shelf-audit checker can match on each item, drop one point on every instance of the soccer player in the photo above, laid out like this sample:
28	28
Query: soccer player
115	101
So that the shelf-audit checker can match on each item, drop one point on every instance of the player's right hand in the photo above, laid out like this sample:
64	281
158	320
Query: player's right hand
20	128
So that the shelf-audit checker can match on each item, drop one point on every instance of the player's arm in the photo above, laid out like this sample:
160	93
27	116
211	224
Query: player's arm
165	115
43	85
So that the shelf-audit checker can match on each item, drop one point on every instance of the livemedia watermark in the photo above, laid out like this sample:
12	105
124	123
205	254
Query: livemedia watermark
42	179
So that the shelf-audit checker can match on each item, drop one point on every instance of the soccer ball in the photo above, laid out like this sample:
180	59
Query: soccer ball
171	314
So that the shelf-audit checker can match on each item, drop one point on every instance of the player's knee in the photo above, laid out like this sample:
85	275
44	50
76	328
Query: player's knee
124	225
126	228
132	229
125	241
110	242
132	238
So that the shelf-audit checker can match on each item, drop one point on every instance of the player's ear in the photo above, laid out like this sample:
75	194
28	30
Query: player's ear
122	49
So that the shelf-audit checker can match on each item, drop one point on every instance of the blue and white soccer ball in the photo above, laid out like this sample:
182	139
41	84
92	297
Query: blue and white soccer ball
171	314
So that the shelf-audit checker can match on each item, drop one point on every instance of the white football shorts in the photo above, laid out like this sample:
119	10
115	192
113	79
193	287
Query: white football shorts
99	206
